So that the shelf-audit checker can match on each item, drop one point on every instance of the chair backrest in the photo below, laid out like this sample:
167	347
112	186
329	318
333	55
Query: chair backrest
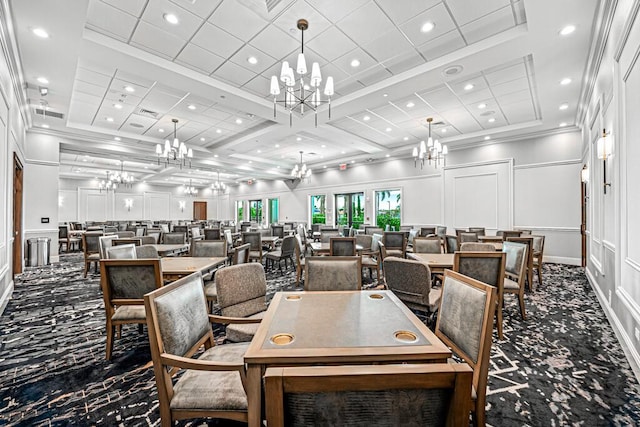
228	237
487	267
342	246
277	230
365	241
91	242
105	242
507	234
441	230
326	236
241	289
425	231
180	229
524	232
241	254
212	234
394	240
122	252
515	261
140	231
538	244
245	227
478	230
125	234
126	281
132	241
336	273
376	239
409	280
146	251
373	230
427	245
465	323
288	246
155	234
388	395
254	238
477	247
195	233
451	243
528	240
315	228
467	236
164	228
208	248
63	231
176	238
148	240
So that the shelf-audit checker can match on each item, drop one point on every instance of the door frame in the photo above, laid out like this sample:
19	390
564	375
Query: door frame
584	197
197	206
18	180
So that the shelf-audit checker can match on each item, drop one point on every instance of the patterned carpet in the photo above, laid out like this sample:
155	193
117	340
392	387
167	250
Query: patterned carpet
563	366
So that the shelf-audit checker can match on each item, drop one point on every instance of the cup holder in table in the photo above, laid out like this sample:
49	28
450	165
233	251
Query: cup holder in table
405	336
282	339
376	296
293	297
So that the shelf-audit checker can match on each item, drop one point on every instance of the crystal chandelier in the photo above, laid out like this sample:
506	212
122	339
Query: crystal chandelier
190	190
431	150
116	179
300	170
298	94
219	186
176	153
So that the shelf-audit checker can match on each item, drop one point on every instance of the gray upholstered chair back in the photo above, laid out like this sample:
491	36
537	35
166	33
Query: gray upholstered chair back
342	246
426	231
212	234
92	242
241	254
254	238
130	279
288	246
487	267
63	231
277	230
427	245
478	230
155	235
176	238
326	236
181	315
409	280
148	240
373	230
315	228
180	229
146	251
467	237
208	248
141	231
365	241
195	233
451	244
164	228
105	242
441	230
516	257
506	234
394	240
333	273
132	241
477	247
245	227
125	234
122	252
241	289
538	243
111	229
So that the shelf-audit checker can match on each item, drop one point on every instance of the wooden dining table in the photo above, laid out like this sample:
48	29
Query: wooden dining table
324	248
437	262
174	268
171	250
337	327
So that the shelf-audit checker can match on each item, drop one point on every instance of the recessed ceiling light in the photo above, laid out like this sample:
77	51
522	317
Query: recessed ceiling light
565	81
491	120
353	161
410	105
250	161
298	139
323	146
259	151
40	32
215	155
406	138
366	118
324	167
486	138
146	167
278	167
481	106
109	119
385	94
202	140
564	106
117	106
238	121
443	130
218	131
252	60
468	86
45	126
355	63
342	152
170	18
277	145
388	129
191	107
427	26
567	30
161	130
117	138
563	124
129	89
43	80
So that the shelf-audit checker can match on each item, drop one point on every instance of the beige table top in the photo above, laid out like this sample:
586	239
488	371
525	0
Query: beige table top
433	260
162	248
326	247
271	239
187	265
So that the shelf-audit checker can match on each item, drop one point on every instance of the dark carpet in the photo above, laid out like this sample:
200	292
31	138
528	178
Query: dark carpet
562	366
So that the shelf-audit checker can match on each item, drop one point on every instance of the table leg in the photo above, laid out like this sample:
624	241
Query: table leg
254	395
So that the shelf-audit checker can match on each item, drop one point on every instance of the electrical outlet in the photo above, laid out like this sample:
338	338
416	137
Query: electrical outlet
637	334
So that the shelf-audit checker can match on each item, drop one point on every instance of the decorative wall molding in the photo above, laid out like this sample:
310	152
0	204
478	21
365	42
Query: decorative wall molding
633	264
487	163
548	164
42	230
562	260
41	162
609	245
626	31
542	228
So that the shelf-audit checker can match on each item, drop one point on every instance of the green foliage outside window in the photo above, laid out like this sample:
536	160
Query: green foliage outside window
388	209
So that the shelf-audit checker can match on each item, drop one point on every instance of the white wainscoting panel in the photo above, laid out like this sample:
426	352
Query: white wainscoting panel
120	210
67	205
157	206
422	200
94	205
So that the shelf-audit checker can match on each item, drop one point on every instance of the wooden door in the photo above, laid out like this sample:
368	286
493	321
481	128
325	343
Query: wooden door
199	210
583	221
17	215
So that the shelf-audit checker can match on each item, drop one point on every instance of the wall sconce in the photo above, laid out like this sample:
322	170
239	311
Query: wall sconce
182	204
584	174
605	149
128	203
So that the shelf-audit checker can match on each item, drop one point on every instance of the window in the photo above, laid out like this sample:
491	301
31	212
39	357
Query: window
388	208
318	209
273	211
255	211
350	209
239	210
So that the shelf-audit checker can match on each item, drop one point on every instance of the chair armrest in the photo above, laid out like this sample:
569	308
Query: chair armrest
226	320
200	365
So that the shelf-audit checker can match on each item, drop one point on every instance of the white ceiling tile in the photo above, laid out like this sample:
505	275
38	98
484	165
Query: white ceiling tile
488	25
332	44
373	75
440	99
461	120
90	89
335	10
401	11
159	101
366	24
86	98
475	96
233	74
344	62
388	112
241	58
443	45
259	86
275	42
388	45
156	40
187	25
133	7
137	124
327	69
506	74
236	19
514	97
403	62
199	59
90	76
477	80
216	40
520	112
510	87
110	21
465	11
438	15
300	9
202	8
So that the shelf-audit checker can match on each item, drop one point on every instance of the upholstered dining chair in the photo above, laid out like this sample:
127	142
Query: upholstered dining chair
441	230
208	248
196	234
122	252
515	270
180	229
487	267
342	246
336	273
241	293
506	234
212	234
240	256
128	241
277	230
538	254
124	283
395	243
65	238
155	234
465	325
369	256
477	247
427	245
254	238
527	240
146	251
373	230
391	395
174	238
105	242
300	259
478	230
91	249
284	253
467	236
427	231
410	281
212	385
326	236
451	244
126	234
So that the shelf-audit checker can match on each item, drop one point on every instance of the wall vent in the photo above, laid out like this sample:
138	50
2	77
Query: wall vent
49	113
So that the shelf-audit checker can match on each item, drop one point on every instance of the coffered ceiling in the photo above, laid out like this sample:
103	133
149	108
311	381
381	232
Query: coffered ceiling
118	73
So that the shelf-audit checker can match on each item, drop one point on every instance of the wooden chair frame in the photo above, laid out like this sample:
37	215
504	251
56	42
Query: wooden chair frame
337	240
87	253
520	279
529	242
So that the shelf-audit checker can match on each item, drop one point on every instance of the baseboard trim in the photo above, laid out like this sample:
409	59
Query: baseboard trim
625	341
4	299
562	260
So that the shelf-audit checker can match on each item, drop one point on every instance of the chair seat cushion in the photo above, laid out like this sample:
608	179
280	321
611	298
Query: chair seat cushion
275	255
218	390
243	332
93	257
510	284
369	262
254	254
210	290
395	252
434	298
129	312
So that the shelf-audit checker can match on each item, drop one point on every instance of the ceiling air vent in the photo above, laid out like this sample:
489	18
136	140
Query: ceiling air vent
271	4
147	113
49	113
